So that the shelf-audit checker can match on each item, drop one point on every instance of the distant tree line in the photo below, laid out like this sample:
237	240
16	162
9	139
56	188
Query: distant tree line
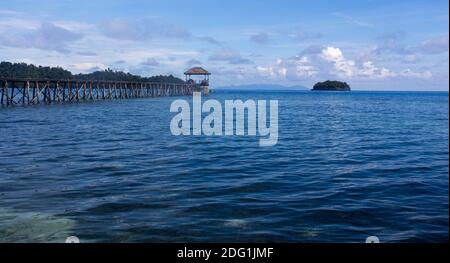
23	70
30	71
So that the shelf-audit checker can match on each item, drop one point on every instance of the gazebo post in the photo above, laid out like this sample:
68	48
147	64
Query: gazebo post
203	86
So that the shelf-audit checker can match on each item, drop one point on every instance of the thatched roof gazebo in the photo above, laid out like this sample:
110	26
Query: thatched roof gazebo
201	86
197	71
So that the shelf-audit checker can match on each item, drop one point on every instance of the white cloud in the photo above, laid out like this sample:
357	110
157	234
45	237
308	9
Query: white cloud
332	54
343	66
369	70
282	72
303	67
329	63
267	71
90	48
294	68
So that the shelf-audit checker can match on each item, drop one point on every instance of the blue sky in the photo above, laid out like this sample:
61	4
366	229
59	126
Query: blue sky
375	45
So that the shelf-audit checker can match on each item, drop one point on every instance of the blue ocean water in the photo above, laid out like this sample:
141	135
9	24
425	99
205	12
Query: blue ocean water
347	166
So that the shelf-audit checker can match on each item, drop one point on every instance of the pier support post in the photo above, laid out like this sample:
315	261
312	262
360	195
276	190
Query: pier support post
5	92
18	91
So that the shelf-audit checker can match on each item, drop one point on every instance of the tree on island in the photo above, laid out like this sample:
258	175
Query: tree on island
23	70
332	86
10	70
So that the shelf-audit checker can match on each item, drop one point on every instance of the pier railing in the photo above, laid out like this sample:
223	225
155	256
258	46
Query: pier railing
31	91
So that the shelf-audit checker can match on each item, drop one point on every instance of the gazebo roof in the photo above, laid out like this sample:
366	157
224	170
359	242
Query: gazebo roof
197	71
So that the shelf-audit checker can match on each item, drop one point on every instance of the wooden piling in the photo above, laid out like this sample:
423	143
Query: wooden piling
35	91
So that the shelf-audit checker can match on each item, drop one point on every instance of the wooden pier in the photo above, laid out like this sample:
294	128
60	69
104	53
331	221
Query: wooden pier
26	91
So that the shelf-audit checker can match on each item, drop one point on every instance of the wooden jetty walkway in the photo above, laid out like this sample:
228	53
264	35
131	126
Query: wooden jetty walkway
27	91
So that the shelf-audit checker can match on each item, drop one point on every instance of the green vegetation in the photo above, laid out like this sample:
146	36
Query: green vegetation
29	71
23	70
332	85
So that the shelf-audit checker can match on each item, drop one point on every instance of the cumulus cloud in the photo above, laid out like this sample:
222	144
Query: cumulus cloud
331	62
342	66
294	68
47	37
348	68
369	70
268	71
229	56
278	71
304	68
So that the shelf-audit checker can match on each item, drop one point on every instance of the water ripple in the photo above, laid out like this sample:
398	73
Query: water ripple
346	166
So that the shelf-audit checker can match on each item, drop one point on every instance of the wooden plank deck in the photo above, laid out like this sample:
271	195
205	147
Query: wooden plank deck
36	91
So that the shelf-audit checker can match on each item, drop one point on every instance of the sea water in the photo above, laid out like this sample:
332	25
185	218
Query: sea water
346	166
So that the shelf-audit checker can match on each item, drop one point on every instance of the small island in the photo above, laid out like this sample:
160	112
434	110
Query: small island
332	86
